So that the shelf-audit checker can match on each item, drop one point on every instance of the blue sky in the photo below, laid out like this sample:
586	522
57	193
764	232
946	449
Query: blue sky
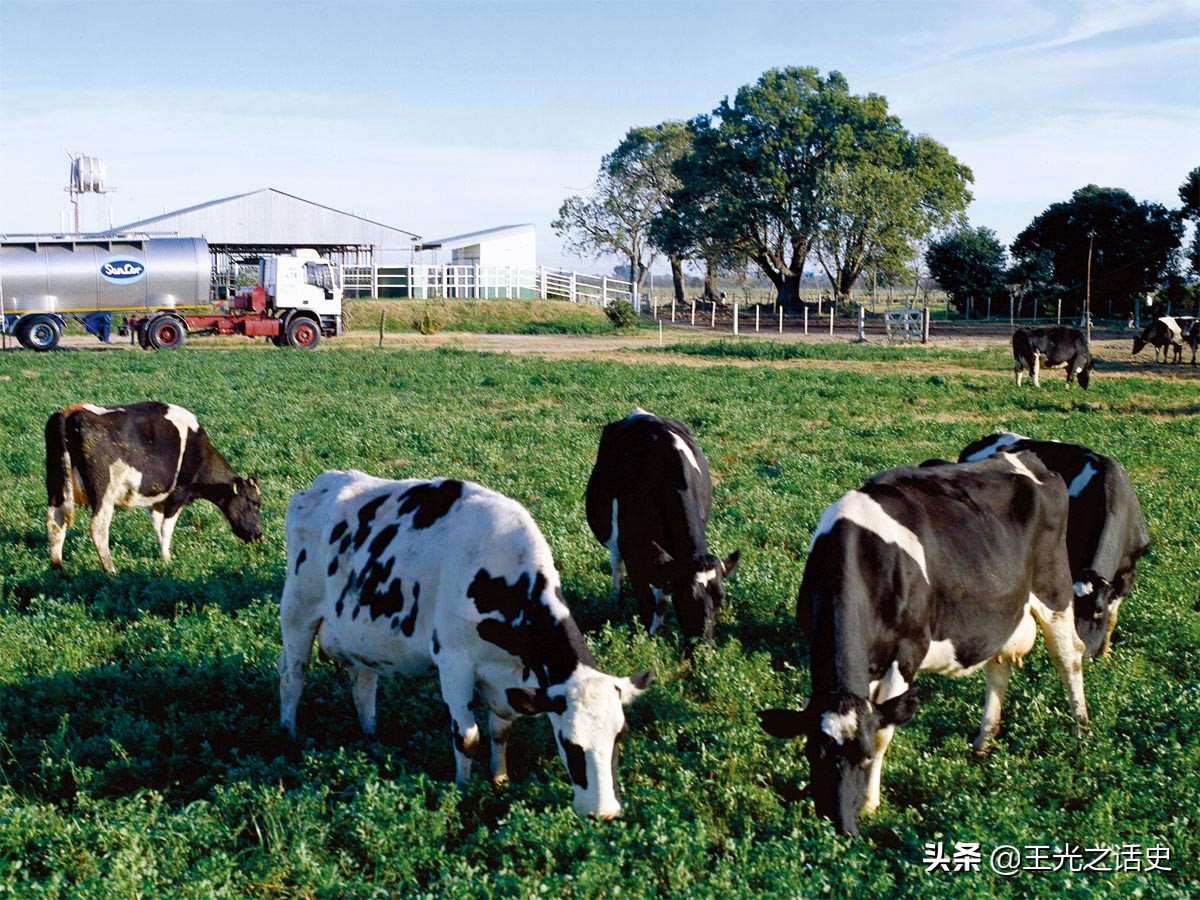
447	117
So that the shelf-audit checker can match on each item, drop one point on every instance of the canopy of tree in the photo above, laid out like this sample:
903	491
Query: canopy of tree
969	265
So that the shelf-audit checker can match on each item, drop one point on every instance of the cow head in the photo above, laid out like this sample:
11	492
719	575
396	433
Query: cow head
1138	344
697	587
588	718
841	731
1085	375
242	505
1095	603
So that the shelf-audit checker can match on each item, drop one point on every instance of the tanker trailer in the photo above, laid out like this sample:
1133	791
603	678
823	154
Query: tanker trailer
44	281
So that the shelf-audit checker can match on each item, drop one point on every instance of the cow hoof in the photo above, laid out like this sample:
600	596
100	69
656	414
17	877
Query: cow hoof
981	747
1081	729
500	781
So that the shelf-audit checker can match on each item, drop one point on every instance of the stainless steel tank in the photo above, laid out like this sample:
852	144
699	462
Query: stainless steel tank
64	275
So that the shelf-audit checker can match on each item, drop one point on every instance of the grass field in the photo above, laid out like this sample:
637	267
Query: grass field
139	752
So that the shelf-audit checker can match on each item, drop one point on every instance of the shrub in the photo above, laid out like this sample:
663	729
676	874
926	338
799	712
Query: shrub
427	321
622	314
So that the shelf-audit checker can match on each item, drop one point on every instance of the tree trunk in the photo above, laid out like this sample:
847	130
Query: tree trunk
677	279
712	291
787	289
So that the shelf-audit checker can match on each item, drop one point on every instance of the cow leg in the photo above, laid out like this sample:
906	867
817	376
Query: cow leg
652	607
618	569
362	687
1037	369
101	519
58	520
883	738
458	687
1018	369
1066	649
164	528
499	727
1106	645
999	671
293	665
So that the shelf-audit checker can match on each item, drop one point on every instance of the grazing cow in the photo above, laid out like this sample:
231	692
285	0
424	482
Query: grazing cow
941	568
1169	334
1106	533
1057	345
150	454
648	501
414	577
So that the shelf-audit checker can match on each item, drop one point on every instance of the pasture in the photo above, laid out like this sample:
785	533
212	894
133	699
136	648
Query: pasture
139	744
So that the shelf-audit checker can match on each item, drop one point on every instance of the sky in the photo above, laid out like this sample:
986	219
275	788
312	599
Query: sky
443	117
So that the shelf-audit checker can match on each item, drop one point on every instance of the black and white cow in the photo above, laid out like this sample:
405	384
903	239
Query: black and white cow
648	501
1106	532
1054	346
1169	334
151	455
414	577
944	568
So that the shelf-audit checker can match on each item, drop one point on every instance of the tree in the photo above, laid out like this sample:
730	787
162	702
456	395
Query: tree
1131	245
1189	193
796	153
969	265
631	188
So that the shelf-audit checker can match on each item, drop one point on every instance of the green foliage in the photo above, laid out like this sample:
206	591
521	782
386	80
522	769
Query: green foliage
1189	195
968	263
479	316
622	314
427	321
138	712
1131	246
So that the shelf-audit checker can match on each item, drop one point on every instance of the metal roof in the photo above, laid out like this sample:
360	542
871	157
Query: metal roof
270	217
474	237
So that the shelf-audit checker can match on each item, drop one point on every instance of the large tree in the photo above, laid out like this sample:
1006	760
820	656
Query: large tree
1131	246
631	188
796	153
968	263
1189	194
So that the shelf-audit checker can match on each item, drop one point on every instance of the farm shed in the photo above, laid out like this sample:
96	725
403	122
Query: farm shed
245	226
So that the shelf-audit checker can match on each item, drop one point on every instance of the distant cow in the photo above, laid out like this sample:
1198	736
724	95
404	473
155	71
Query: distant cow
1169	334
1057	345
648	501
1106	532
942	568
415	577
151	455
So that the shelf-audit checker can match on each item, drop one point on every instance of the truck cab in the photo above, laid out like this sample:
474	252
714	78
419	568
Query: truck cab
302	280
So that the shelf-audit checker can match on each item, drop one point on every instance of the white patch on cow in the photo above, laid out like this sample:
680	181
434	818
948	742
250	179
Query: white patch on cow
638	411
592	721
611	543
866	513
682	446
706	577
99	410
1083	588
1004	439
1082	480
940	658
889	687
841	727
124	487
1176	331
1020	468
1022	639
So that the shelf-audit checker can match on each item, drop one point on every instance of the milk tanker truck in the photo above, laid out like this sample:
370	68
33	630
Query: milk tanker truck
162	289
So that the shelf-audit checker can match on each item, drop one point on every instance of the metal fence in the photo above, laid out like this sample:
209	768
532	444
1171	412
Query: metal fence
471	282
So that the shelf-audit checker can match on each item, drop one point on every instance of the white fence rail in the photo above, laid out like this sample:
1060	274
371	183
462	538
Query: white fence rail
470	282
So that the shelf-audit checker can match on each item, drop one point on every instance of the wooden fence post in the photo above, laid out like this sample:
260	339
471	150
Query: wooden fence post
757	311
693	312
781	319
382	316
713	324
735	317
831	321
925	325
1058	316
806	320
862	323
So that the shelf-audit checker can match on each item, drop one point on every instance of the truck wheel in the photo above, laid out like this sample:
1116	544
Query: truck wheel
166	333
40	333
143	334
303	334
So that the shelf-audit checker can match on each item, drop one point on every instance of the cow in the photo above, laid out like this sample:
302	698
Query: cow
1169	334
1054	346
944	568
1106	532
152	455
414	577
648	501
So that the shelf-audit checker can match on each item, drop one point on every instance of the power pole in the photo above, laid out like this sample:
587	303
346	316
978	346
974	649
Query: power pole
1087	310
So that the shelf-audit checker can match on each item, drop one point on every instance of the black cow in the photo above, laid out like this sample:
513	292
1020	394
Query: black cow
152	455
648	501
1057	345
943	568
1169	334
1106	532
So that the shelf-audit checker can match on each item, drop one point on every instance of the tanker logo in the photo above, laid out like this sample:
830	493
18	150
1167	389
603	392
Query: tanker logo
122	270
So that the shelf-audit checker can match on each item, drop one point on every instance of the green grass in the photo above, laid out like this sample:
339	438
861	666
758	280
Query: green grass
479	316
138	713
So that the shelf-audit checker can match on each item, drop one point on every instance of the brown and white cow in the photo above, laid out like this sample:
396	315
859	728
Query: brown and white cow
151	455
414	577
944	568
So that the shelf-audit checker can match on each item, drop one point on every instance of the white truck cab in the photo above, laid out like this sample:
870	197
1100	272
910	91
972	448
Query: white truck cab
303	280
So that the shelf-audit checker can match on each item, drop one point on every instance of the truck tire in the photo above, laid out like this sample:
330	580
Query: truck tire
40	333
166	333
143	335
303	333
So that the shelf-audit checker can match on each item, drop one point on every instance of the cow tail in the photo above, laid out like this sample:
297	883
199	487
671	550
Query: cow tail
59	492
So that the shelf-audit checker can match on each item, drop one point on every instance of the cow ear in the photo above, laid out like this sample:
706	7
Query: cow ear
730	561
898	710
235	487
630	688
786	723
531	702
253	481
661	556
